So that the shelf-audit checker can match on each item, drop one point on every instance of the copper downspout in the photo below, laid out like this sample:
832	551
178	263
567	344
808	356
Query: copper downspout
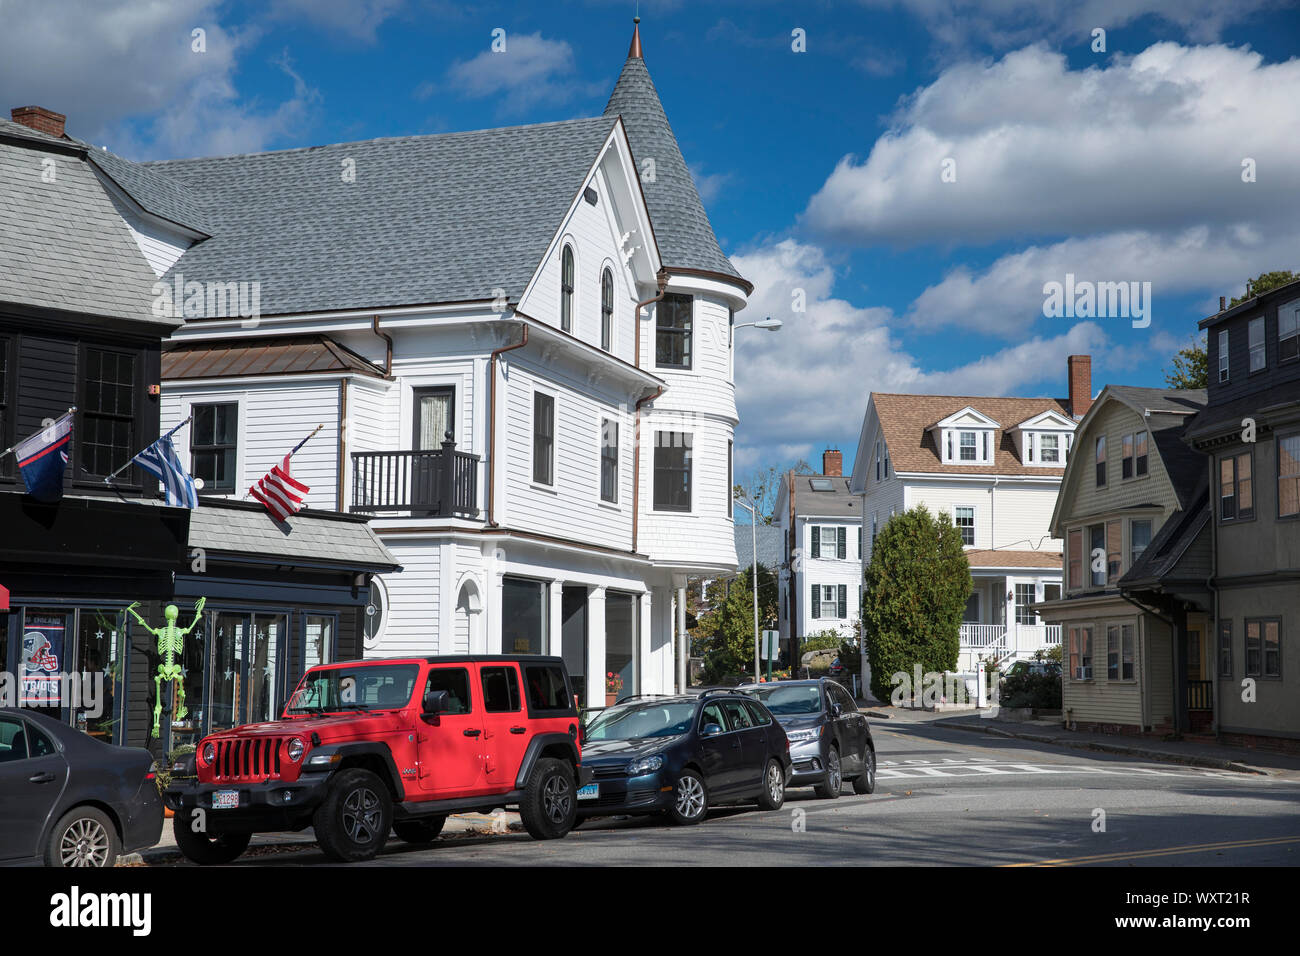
492	426
388	357
343	442
661	279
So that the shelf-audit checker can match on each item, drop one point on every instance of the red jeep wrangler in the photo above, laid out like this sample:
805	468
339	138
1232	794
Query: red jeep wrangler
368	746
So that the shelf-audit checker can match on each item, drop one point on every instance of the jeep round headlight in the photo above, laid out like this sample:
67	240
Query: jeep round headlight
645	765
209	753
294	749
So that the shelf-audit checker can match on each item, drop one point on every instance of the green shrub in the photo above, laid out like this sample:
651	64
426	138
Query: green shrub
821	641
1039	691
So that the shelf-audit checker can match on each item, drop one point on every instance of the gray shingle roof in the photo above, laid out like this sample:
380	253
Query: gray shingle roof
1168	553
682	229
317	537
825	504
63	244
1171	412
769	539
158	194
444	218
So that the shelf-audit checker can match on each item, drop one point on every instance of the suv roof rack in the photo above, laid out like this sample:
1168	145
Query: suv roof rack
624	700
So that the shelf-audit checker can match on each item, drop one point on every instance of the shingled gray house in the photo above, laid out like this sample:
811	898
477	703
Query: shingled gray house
77	328
518	342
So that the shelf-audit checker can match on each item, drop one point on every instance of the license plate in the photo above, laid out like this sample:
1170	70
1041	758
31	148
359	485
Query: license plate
590	792
225	800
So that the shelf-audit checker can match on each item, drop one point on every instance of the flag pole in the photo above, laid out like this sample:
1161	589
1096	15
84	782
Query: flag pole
313	434
17	443
110	478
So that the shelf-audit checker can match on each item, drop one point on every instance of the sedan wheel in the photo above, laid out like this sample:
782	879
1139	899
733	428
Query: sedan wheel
82	837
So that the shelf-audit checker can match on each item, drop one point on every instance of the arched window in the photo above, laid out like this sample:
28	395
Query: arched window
566	290
607	310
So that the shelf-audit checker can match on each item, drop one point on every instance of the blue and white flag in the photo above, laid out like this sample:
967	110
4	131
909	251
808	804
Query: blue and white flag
160	460
43	458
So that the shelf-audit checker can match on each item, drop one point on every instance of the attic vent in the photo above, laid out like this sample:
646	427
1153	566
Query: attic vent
821	484
589	194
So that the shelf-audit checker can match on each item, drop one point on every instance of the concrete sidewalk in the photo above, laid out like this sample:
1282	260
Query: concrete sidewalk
1192	753
458	826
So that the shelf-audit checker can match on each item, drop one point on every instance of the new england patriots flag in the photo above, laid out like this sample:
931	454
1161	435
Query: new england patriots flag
160	460
43	458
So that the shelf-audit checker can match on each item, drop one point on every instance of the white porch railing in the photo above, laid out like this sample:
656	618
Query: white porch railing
1007	644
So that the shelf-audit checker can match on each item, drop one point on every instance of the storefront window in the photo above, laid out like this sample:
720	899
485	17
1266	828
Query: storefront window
320	641
268	632
194	656
100	660
43	657
524	616
620	644
226	680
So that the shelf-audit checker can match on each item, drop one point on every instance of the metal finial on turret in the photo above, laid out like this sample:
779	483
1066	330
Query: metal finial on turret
634	51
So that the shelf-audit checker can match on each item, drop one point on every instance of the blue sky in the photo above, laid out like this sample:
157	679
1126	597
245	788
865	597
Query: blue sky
821	170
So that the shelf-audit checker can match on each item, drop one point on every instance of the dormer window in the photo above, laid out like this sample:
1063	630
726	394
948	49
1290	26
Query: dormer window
965	438
1044	440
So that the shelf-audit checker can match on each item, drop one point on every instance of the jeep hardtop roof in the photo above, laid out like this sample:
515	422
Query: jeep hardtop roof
449	659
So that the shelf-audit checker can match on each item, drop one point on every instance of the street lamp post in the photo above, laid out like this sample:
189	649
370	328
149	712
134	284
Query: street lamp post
753	571
767	324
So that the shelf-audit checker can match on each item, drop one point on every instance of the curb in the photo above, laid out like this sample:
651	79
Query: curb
1159	756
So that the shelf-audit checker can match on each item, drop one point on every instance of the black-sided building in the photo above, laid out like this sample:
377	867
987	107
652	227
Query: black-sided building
77	330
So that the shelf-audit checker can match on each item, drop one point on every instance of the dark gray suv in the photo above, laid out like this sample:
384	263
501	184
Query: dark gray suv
829	737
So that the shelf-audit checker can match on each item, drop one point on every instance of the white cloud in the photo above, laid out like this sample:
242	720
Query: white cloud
1155	142
530	70
806	386
130	80
357	18
1006	23
1006	299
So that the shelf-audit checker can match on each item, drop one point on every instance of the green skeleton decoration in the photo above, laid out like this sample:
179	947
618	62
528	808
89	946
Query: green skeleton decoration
171	640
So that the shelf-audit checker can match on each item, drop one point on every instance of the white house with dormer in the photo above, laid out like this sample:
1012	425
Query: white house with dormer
993	465
518	345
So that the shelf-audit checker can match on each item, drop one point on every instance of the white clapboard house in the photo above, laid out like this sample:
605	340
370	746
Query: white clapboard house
993	465
484	322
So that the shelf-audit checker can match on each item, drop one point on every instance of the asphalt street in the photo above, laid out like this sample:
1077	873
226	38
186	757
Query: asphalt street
944	797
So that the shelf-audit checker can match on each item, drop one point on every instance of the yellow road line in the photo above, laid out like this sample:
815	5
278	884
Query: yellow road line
1162	851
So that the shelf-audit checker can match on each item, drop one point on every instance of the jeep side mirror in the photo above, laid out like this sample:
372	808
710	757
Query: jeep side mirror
711	730
435	702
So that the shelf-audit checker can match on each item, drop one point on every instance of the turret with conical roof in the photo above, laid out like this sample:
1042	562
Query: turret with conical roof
682	229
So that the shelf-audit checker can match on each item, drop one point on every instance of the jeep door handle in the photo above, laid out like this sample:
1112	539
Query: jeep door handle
518	730
471	733
41	778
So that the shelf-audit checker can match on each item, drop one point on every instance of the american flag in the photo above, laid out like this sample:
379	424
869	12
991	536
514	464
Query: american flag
280	492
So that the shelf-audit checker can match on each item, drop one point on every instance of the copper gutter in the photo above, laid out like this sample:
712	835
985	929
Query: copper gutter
343	441
661	278
492	425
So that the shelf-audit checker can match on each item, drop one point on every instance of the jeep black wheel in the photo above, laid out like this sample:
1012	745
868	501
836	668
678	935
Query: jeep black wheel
203	848
549	808
772	796
353	821
866	783
830	788
423	830
691	801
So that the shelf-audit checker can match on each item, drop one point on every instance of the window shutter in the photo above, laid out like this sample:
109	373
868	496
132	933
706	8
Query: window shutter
816	543
843	545
844	602
816	605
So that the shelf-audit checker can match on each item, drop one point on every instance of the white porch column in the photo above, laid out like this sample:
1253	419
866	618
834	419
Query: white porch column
596	647
493	622
683	643
555	630
650	677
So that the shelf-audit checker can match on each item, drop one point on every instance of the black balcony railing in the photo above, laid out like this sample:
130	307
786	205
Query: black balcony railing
432	484
1200	695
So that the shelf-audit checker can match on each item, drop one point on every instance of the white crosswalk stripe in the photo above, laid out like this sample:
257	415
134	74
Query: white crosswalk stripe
910	770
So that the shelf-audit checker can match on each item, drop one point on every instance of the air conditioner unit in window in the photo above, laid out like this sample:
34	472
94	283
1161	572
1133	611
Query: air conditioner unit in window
1083	673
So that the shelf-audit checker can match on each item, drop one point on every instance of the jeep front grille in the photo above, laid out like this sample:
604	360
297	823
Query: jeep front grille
247	758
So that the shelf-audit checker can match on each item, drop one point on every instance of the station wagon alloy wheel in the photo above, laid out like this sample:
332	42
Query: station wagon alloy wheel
362	815
84	843
690	797
775	785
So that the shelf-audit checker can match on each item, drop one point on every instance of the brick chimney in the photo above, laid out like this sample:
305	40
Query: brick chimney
39	119
832	463
1080	385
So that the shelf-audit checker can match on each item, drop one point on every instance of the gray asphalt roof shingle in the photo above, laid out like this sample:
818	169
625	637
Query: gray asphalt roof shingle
63	244
240	528
768	538
681	227
452	217
158	194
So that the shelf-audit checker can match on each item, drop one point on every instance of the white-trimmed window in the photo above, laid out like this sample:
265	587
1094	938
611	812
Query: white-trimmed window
672	471
966	446
1288	331
543	438
607	309
609	461
964	518
829	541
1255	340
1080	653
1119	652
1223	356
566	288
829	601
